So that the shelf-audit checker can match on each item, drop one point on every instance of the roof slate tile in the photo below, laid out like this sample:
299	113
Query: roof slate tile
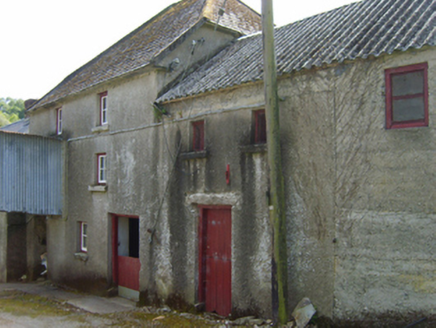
139	48
357	30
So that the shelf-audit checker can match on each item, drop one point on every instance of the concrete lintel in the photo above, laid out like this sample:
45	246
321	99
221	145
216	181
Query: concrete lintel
230	198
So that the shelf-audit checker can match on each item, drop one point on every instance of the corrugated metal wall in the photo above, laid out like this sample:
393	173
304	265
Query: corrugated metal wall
30	174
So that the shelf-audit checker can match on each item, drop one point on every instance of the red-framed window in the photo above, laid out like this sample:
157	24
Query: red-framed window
103	108
198	135
101	168
259	126
59	121
83	236
407	96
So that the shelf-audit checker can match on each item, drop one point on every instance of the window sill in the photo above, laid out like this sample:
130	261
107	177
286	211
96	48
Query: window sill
254	148
100	128
408	125
98	188
193	155
81	256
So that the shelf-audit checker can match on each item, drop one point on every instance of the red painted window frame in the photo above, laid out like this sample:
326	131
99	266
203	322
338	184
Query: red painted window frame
101	182
390	123
198	136
83	249
201	233
103	96
259	131
59	121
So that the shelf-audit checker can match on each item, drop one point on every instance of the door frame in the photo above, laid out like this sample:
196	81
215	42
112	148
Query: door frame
114	238
201	232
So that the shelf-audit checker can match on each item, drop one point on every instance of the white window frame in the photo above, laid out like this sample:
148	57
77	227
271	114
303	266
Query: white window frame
59	121
101	168
103	108
83	237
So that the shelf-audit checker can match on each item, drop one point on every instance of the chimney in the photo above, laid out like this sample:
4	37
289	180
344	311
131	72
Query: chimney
29	103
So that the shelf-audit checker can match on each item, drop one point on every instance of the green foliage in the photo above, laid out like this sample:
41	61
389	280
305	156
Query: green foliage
3	120
11	110
158	112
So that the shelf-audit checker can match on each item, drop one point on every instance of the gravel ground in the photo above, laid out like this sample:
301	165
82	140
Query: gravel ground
20	309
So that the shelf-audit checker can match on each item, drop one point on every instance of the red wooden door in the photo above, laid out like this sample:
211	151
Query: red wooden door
126	264
216	268
128	272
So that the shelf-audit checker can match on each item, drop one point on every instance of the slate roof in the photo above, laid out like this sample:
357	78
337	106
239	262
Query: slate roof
21	126
139	48
358	30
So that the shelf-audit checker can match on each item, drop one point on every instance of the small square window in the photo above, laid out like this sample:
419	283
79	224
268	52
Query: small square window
406	96
101	168
83	237
103	108
59	121
259	126
198	135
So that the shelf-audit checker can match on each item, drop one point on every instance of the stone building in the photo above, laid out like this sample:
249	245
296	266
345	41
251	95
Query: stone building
167	179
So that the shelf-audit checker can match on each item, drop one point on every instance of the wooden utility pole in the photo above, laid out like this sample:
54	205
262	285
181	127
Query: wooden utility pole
277	191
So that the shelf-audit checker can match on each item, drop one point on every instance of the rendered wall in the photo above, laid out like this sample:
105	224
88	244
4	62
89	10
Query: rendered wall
137	158
360	197
359	214
385	256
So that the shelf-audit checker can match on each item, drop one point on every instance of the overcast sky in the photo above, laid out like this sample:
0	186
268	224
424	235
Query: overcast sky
43	41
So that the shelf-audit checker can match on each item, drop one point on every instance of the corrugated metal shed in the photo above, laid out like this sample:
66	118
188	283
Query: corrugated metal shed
358	30
30	174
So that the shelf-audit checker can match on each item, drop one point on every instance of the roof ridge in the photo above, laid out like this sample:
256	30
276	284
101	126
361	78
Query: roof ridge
208	7
140	47
354	31
101	54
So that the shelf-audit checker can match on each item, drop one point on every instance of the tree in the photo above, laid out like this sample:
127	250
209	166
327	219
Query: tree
3	120
11	110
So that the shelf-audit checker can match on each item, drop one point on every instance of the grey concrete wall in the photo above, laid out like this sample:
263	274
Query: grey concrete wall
43	122
130	98
139	166
3	246
355	191
359	196
385	257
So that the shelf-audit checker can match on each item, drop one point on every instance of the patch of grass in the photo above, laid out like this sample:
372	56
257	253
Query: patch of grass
142	319
22	304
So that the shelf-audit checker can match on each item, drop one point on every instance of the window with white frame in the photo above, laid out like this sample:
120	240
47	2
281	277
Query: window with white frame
83	237
59	121
101	168
103	108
